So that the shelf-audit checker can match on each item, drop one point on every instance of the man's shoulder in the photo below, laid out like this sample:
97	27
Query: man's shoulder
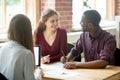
84	34
108	34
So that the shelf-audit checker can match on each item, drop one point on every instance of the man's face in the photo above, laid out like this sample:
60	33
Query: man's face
84	23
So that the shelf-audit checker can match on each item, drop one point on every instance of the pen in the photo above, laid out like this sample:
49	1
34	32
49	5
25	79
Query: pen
63	54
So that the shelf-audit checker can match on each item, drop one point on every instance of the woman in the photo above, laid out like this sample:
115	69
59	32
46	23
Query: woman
50	37
16	56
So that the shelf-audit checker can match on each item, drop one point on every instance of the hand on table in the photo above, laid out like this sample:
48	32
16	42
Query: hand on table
45	59
38	73
70	65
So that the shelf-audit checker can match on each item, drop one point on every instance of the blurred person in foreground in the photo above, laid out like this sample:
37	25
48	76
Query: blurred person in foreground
16	55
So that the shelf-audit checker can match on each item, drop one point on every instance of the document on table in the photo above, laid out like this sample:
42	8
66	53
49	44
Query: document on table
52	65
60	73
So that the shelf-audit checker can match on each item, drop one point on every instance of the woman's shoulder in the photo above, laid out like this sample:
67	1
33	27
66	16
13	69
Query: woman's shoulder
16	49
15	46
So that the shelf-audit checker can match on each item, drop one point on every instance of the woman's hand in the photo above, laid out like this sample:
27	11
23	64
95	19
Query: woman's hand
45	59
38	73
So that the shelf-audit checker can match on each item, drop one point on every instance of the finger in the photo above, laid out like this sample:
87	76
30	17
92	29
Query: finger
42	60
48	60
66	65
45	59
48	55
62	60
69	66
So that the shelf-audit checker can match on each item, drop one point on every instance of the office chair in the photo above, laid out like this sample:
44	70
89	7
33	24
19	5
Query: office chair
117	57
69	47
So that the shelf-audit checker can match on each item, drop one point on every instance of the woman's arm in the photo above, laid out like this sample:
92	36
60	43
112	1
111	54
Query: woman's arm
29	66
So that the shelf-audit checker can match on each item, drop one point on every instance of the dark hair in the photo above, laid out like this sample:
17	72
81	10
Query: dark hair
20	31
93	17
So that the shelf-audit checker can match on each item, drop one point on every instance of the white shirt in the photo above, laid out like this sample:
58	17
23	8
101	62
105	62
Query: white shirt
16	62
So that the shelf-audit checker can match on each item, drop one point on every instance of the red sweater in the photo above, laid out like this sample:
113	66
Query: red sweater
59	44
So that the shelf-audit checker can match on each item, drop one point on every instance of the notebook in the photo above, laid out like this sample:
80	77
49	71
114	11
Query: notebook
37	52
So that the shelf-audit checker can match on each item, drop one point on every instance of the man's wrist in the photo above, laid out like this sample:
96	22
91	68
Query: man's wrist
77	65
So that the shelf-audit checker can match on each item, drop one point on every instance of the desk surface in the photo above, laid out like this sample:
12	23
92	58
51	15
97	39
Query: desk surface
55	71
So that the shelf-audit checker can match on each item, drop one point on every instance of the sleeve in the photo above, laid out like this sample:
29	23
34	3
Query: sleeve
78	47
63	46
109	49
29	67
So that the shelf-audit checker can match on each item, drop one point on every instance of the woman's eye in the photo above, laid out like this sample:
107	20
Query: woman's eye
52	21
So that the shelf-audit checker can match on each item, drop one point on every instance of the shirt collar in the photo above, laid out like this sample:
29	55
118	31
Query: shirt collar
15	43
98	33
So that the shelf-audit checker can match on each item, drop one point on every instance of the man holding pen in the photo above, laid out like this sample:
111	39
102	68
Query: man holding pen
97	45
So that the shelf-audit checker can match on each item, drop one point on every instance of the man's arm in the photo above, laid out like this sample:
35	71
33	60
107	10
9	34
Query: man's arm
97	64
70	57
93	64
75	51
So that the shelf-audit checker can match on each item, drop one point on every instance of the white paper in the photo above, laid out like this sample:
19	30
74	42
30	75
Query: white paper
59	73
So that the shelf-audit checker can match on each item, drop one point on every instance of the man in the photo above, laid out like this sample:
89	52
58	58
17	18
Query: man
97	45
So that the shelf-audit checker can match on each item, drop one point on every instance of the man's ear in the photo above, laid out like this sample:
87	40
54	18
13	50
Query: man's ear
90	24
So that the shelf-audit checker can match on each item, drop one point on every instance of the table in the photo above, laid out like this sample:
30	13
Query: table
55	71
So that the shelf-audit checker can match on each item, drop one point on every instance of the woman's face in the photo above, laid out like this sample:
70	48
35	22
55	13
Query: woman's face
52	22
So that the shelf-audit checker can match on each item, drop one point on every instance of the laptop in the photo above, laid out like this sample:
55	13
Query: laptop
37	52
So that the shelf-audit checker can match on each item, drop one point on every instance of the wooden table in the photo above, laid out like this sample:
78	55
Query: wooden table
55	71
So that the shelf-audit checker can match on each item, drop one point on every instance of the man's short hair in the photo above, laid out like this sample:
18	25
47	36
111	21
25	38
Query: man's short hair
93	17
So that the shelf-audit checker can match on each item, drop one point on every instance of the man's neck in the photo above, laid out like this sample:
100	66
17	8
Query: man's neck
93	32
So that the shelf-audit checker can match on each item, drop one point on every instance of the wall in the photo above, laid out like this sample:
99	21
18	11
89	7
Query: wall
117	18
117	7
72	37
64	7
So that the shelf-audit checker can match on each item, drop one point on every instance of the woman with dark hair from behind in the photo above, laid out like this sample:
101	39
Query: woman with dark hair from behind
16	55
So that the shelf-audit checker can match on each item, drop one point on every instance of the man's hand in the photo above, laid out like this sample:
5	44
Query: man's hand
70	65
63	59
